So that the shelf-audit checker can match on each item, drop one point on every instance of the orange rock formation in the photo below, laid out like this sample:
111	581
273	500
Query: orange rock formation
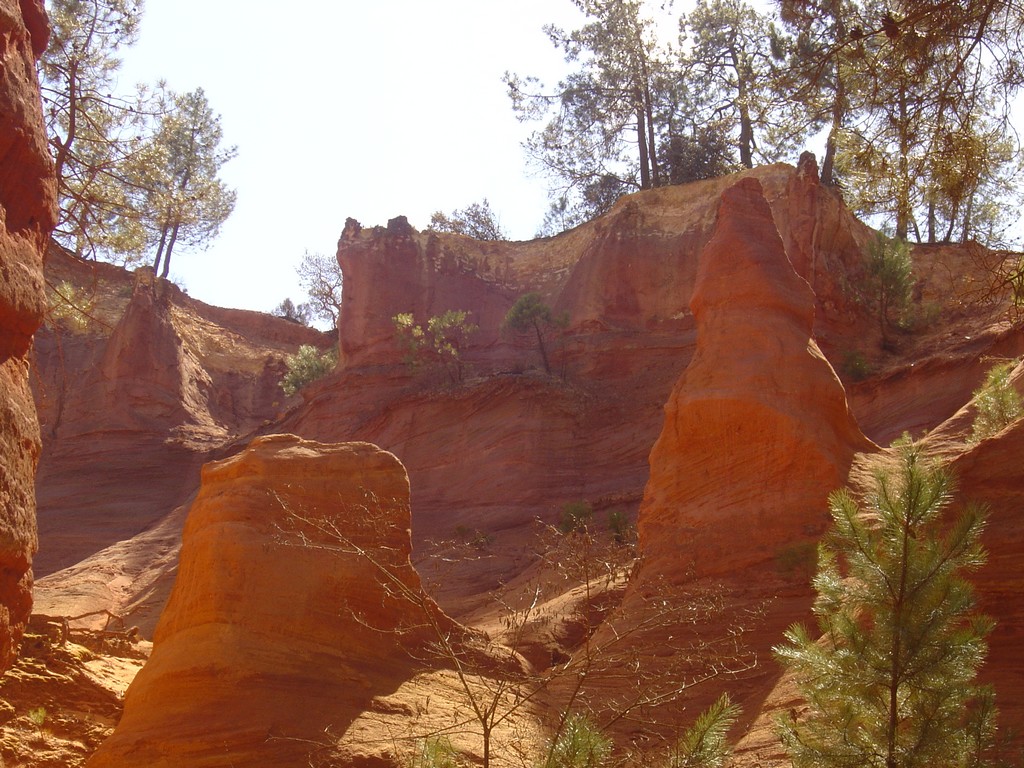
757	431
26	218
277	630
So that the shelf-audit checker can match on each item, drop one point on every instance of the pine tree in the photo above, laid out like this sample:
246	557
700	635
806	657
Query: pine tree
182	194
91	131
891	682
603	121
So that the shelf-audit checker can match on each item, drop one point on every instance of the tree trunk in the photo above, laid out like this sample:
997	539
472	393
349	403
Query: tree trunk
828	163
903	171
952	222
543	351
170	247
896	652
641	134
160	250
64	148
743	107
652	148
965	236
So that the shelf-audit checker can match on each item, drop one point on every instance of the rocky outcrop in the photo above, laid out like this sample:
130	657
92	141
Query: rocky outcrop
756	434
26	218
757	431
148	391
630	270
721	298
295	605
990	473
510	444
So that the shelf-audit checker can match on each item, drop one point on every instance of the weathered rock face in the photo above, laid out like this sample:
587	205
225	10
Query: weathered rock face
276	631
757	433
131	407
991	473
508	445
26	213
631	270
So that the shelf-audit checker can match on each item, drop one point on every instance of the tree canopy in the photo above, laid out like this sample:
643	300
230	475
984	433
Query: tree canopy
184	200
913	99
475	220
136	173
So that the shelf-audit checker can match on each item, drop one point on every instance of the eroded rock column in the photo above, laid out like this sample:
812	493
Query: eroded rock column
26	218
295	605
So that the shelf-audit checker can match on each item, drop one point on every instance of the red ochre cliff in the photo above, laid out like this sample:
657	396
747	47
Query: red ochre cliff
26	218
701	385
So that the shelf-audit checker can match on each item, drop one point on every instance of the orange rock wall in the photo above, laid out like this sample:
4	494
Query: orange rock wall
26	218
511	445
629	271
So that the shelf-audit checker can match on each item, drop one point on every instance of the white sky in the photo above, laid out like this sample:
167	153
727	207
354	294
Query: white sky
368	109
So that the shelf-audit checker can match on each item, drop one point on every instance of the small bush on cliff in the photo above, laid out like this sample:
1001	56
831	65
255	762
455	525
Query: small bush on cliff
70	307
321	278
433	752
996	401
620	527
575	516
475	220
306	365
439	342
855	365
891	681
888	281
38	718
297	313
530	313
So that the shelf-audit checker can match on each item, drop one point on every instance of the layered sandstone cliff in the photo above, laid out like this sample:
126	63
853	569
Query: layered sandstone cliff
135	399
27	216
510	444
721	299
756	433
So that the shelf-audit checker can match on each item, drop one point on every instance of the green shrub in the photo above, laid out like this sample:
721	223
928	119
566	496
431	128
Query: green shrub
620	527
855	365
997	402
440	341
531	315
306	365
920	317
575	516
579	744
889	672
38	717
704	745
887	284
434	752
472	537
801	559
